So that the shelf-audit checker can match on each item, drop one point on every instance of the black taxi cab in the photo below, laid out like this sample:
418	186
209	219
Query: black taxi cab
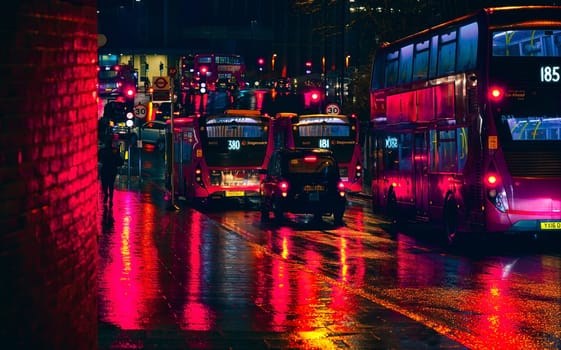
303	181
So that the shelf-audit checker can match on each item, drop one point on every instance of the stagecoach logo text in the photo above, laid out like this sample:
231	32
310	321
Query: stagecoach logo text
391	142
255	143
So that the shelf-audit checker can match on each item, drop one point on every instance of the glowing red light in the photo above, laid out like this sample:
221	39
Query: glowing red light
341	186
130	92
204	70
315	96
284	186
496	93
492	180
310	159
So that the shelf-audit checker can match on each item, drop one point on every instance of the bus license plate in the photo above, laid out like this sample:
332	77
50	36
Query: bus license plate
550	225
313	196
235	193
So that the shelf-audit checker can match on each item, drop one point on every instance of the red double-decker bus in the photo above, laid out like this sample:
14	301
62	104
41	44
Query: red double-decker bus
220	71
221	156
466	124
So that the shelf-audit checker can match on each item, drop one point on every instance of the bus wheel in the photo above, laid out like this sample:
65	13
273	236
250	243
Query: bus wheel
391	209
450	219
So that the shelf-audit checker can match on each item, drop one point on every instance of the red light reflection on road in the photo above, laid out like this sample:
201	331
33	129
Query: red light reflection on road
280	291
500	317
196	314
128	278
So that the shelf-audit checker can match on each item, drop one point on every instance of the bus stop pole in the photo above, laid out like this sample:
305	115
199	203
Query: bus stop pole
172	205
139	148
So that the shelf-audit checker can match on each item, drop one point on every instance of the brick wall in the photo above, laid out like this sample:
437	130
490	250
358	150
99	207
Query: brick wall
48	175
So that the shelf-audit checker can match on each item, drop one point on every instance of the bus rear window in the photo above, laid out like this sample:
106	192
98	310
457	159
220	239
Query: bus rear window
527	43
533	128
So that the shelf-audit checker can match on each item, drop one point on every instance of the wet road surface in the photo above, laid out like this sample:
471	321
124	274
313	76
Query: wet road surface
182	280
486	294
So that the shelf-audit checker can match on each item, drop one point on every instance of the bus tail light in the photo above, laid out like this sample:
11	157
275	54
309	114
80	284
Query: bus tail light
315	96
199	176
283	186
496	93
492	180
341	188
358	170
130	92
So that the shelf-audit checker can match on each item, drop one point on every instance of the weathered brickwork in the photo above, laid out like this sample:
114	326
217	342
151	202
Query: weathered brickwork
48	175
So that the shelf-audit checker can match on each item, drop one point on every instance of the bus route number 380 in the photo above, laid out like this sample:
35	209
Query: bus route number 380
234	145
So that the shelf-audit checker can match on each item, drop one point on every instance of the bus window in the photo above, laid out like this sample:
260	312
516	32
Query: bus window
462	142
421	61
392	68
432	56
443	151
398	152
467	47
447	54
528	128
405	152
405	64
542	43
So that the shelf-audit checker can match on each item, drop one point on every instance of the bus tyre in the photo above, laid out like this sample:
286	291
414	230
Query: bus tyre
450	219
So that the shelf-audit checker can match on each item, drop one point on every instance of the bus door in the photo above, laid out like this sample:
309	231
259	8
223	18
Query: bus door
184	158
421	178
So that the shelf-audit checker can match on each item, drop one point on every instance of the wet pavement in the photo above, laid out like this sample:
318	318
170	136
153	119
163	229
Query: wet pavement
176	279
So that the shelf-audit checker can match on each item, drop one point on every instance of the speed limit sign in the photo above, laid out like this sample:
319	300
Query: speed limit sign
140	111
332	108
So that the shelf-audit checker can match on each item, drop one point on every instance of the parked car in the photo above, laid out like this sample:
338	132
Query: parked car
303	181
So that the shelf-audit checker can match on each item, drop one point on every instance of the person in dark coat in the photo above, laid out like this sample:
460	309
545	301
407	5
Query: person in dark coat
110	160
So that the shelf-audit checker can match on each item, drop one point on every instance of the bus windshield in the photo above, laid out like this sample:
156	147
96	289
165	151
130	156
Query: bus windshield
334	133
235	141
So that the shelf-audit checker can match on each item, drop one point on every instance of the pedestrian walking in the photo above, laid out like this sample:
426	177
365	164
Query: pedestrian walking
110	160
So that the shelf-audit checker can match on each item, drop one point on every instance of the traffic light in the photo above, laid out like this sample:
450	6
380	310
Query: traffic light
308	67
260	63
